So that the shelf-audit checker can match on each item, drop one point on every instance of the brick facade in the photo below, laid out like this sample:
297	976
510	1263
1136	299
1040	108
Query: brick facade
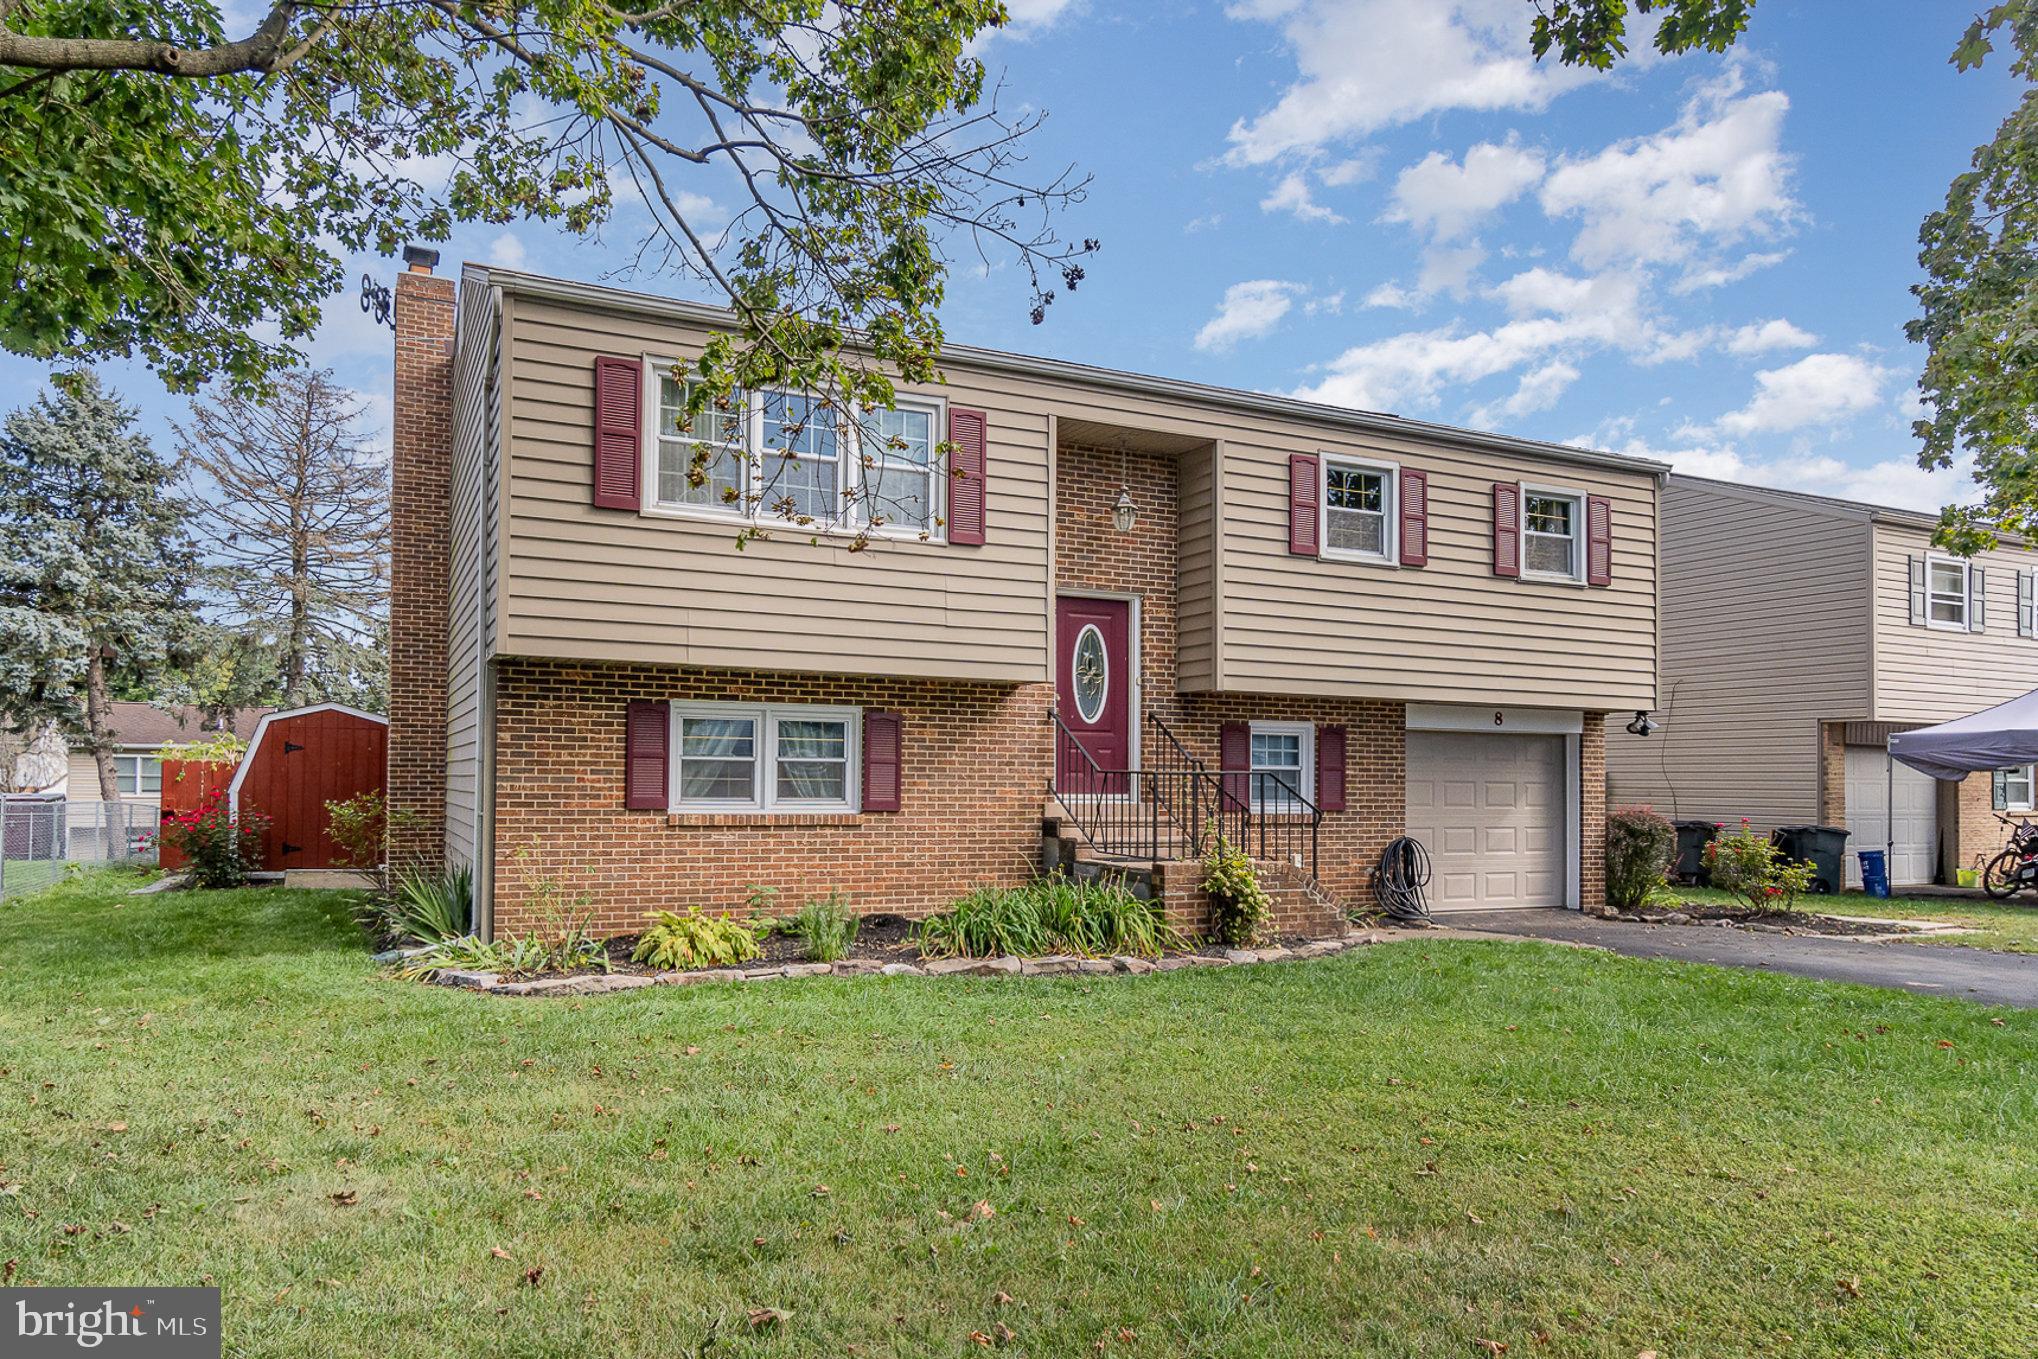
1592	814
421	461
1832	773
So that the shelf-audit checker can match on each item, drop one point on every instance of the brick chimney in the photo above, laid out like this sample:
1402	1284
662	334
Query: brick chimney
421	464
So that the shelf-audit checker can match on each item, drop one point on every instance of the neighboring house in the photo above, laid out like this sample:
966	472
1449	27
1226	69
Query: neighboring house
1351	624
142	730
1799	632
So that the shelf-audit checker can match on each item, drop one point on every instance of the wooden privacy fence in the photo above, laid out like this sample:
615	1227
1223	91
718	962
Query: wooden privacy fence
187	786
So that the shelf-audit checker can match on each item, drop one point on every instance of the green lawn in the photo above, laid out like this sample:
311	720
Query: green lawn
28	875
1398	1152
2011	926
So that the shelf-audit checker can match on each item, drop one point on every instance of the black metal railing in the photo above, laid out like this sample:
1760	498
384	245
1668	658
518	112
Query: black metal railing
1170	805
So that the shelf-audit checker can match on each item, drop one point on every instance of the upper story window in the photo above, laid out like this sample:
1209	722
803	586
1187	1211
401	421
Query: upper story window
1281	763
1946	592
1358	509
1552	534
787	458
738	757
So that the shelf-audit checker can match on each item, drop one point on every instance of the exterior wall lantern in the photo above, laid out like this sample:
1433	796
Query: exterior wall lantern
1124	513
1642	724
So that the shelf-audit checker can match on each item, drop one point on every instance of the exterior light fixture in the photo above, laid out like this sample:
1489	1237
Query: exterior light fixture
1124	513
1642	725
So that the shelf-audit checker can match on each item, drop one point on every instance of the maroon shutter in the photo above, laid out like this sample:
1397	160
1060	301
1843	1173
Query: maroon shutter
647	739
1304	505
618	433
1598	540
1415	519
968	491
1235	757
883	754
1330	769
1506	529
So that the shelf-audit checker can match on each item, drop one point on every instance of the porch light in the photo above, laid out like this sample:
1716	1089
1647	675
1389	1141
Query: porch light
1124	512
1642	725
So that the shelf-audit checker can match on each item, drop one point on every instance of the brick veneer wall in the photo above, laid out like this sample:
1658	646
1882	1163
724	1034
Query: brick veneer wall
421	460
1592	814
1832	773
1091	554
974	763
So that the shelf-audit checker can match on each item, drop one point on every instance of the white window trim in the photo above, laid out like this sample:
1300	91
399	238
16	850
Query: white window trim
767	716
1390	505
2028	802
141	759
1579	533
849	468
1307	773
1966	592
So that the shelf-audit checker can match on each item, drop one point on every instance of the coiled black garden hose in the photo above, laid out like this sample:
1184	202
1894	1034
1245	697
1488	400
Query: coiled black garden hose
1400	878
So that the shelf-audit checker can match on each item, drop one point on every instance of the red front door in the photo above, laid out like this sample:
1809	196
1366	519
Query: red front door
1093	690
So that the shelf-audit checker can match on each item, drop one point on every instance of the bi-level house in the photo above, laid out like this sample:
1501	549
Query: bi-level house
1131	611
1799	633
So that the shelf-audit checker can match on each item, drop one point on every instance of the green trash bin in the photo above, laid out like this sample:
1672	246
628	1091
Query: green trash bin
1824	847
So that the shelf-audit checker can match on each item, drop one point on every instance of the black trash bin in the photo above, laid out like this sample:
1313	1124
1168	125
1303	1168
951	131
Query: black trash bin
1824	846
1692	838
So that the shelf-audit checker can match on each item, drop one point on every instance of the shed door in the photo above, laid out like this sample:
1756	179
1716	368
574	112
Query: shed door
1916	852
1489	808
301	764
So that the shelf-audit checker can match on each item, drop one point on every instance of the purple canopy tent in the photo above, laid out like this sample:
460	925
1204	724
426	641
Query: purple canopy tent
1994	738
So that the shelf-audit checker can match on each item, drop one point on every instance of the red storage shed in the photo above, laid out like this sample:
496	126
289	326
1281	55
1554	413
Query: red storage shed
297	762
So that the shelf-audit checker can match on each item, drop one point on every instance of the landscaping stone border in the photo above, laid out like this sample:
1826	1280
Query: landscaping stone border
1058	965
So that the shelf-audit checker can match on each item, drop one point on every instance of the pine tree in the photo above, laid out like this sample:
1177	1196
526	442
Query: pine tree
95	558
298	516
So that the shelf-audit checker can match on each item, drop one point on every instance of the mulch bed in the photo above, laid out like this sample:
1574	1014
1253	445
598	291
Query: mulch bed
1746	917
880	939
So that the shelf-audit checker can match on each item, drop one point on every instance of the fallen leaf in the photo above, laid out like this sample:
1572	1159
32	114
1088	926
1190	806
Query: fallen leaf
761	1317
822	1191
1495	1347
980	1338
533	1274
122	1127
346	1198
1001	1297
1006	1335
982	1209
498	1252
1851	1286
1075	1221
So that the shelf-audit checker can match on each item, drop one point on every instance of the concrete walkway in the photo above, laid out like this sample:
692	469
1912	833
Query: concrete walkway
1935	970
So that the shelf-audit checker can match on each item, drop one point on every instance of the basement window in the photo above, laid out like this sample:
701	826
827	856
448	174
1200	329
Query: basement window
772	757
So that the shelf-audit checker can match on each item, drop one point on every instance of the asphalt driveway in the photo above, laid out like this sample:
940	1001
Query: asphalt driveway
1970	974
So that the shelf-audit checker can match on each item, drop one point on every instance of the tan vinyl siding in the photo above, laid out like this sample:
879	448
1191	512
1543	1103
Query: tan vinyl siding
1765	624
1930	674
468	608
1448	632
582	583
1196	574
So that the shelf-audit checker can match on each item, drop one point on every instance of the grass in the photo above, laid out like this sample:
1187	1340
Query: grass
2009	926
28	875
1397	1152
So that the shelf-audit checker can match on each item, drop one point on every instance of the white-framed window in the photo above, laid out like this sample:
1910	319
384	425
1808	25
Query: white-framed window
1552	533
2018	787
1282	763
138	775
1946	584
785	458
1359	507
765	757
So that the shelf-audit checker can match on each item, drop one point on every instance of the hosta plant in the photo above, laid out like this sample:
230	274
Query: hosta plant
674	940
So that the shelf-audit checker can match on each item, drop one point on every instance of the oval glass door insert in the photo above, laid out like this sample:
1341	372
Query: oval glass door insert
1092	673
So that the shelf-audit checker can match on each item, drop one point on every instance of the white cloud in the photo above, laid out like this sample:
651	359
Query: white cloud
1816	389
1449	269
1538	390
1447	199
1352	170
1392	295
1362	65
1032	16
507	252
1715	177
1763	336
1331	303
1698	278
1293	194
1248	311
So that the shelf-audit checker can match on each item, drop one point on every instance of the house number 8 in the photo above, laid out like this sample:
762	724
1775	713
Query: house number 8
1499	719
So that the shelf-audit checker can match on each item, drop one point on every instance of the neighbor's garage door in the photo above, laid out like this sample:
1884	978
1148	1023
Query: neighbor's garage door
1916	851
1490	810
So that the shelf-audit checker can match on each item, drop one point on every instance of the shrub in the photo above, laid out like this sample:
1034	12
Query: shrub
1048	915
826	926
222	847
1640	847
1749	866
675	941
1239	907
515	955
431	906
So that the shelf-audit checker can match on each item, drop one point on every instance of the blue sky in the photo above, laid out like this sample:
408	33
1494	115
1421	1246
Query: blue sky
1386	204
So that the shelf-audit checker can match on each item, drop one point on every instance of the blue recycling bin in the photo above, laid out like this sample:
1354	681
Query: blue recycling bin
1874	872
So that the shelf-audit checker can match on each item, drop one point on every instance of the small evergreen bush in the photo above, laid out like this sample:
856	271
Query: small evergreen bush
1640	848
1239	908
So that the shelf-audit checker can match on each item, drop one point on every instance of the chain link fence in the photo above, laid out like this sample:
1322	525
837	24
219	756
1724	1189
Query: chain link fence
40	835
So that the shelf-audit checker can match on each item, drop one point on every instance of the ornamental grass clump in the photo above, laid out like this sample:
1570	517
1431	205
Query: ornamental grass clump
825	927
1045	916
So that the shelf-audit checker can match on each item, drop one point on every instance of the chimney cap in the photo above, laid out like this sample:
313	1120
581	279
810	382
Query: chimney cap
420	258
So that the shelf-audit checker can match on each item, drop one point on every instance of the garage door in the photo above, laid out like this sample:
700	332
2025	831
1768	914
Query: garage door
1916	852
1490	810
